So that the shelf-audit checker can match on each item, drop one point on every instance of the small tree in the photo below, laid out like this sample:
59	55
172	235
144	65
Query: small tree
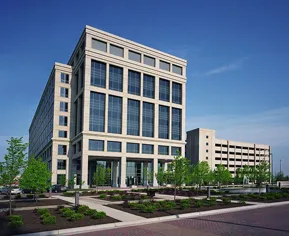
222	175
161	176
71	182
262	173
147	176
36	176
100	176
201	173
14	162
63	180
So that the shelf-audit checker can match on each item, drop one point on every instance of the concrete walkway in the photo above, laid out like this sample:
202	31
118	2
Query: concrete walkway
116	214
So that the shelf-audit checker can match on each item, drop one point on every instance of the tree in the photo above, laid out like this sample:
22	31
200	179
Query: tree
147	176
179	171
222	175
62	180
161	176
262	173
14	162
200	173
101	176
71	182
36	176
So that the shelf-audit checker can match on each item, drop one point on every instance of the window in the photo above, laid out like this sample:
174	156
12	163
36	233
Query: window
115	78
133	117
62	149
207	150
148	86
61	164
164	65
176	124
60	177
133	82
176	151
79	146
208	137
164	87
177	93
114	114
64	92
134	56
99	45
113	146
74	149
164	122
149	61
163	150
63	120
96	116
207	158
148	119
96	145
147	149
115	50
207	144
64	106
64	78
62	134
177	70
98	74
132	147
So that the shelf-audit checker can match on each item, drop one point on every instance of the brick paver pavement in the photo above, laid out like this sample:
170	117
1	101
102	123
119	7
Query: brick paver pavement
269	221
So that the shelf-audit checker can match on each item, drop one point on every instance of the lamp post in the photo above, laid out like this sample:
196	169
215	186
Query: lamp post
272	172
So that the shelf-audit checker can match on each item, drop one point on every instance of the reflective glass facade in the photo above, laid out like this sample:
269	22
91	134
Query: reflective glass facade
148	119
133	117
164	88
113	146
147	149
164	118
132	147
133	82
177	93
96	145
115	78
114	114
96	114
176	124
98	74
148	86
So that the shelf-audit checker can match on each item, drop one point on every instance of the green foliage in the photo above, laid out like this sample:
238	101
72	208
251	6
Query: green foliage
67	212
82	209
149	209
99	215
262	173
15	224
132	205
185	203
168	205
103	195
101	176
199	203
42	211
116	198
18	196
71	183
36	175
49	220
45	215
15	218
41	196
226	200
161	176
222	175
62	180
242	202
90	212
76	216
201	173
68	194
30	196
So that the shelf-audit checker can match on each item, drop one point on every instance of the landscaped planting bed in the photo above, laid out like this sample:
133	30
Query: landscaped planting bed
93	192
21	196
263	197
32	203
51	219
122	196
151	209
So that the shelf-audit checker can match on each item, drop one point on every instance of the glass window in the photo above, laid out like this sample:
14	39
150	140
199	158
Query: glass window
74	149
149	61
176	151
115	78
98	74
163	150
133	117
164	87
79	146
164	65
61	164
176	124
177	93
96	116
96	145
164	116
63	120
114	114
148	86
64	78
60	177
147	149
115	50
134	56
64	92
64	106
62	149
177	70
62	134
148	119
132	147
98	45
208	137
207	144
133	82
113	146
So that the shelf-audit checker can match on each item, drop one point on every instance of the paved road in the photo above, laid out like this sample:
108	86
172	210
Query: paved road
271	221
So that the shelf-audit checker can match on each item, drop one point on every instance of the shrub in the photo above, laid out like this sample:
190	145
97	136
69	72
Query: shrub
42	211
45	215
49	220
82	209
169	205
68	212
90	212
15	223
68	194
99	215
60	207
278	195
103	195
144	196
226	200
270	197
41	195
185	203
132	205
116	198
212	202
199	203
15	218
30	196
286	195
139	206
76	216
242	202
149	209
18	196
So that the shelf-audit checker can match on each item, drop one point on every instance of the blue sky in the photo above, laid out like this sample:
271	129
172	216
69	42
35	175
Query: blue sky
237	52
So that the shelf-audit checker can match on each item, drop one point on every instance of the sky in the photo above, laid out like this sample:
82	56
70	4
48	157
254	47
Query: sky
237	53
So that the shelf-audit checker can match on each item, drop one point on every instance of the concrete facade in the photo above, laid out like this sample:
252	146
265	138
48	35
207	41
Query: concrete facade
114	52
202	145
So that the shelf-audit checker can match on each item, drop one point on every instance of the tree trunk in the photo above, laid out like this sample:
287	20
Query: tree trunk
175	193
10	201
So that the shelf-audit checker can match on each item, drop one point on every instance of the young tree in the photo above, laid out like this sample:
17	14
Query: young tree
71	182
147	176
36	176
262	173
63	180
201	173
101	176
14	162
161	176
222	175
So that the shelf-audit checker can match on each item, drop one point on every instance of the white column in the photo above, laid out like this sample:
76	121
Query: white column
165	166
155	171
84	171
123	172
115	174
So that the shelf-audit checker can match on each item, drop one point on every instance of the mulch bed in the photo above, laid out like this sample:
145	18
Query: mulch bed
128	197
175	211
33	224
186	193
32	203
260	200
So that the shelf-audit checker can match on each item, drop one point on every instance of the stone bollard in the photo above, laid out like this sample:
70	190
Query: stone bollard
267	188
76	199
208	192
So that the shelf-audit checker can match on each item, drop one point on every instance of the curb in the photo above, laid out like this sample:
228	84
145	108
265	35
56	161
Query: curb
87	229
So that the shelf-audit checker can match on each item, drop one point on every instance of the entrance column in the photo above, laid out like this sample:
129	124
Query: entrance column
123	172
145	172
115	174
155	171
